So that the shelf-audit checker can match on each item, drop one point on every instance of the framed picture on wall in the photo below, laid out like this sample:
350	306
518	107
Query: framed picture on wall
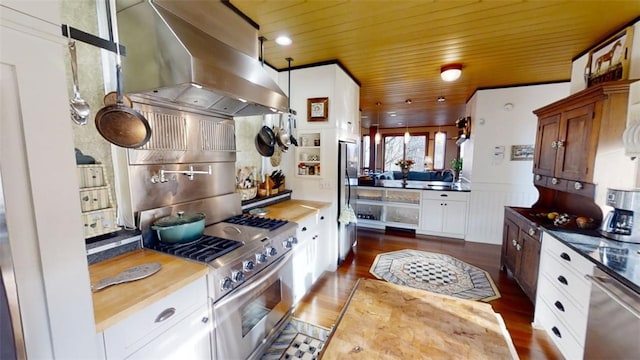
521	152
318	109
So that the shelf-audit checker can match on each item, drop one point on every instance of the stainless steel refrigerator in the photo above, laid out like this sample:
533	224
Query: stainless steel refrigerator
348	164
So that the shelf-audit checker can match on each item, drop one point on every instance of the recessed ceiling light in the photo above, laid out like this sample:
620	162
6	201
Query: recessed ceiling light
441	99
283	40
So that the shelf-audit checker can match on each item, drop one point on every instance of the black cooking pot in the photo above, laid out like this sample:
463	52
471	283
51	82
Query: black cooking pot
180	228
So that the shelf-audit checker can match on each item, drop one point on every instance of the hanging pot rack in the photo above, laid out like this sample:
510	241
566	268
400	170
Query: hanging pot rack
110	45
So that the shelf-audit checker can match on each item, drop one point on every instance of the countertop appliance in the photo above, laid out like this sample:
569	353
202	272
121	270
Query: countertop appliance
614	320
619	223
348	162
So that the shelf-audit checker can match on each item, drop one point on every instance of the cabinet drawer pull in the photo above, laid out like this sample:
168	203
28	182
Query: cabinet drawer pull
514	242
559	305
205	320
321	217
538	177
555	181
518	247
444	195
304	228
556	332
563	280
165	314
560	144
565	256
554	144
532	231
577	185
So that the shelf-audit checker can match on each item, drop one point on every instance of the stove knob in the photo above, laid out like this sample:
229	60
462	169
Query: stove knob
271	251
237	276
294	240
248	265
261	257
287	244
226	283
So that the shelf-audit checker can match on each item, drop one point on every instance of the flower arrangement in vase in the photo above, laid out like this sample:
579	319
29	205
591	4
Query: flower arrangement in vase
405	166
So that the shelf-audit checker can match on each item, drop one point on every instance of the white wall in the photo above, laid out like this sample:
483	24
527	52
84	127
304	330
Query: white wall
496	180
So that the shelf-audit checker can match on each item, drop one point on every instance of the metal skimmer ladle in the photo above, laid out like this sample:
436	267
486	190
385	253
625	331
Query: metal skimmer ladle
79	107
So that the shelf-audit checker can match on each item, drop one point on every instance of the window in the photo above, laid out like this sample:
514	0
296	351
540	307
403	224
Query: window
395	149
366	151
438	152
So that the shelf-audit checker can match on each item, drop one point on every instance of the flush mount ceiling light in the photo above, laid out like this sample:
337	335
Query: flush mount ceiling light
283	40
451	72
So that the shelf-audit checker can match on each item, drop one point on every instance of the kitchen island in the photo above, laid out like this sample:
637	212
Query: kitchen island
382	320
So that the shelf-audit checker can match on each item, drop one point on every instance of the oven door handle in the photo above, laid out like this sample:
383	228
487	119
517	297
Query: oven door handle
599	282
253	284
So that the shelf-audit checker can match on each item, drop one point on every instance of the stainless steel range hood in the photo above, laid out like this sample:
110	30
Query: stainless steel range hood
170	61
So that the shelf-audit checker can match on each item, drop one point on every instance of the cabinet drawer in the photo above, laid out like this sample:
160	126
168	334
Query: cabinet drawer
445	195
137	330
95	198
91	175
565	255
558	332
563	308
99	222
568	282
188	339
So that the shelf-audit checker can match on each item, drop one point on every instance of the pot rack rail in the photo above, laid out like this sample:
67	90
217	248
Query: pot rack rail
76	34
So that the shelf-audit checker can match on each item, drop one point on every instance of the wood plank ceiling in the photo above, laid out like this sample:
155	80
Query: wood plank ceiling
395	48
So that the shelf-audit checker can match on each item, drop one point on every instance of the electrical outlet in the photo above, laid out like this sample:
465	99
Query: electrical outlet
325	184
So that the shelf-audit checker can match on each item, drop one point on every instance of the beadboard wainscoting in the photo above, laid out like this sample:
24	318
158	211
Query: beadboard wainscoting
486	208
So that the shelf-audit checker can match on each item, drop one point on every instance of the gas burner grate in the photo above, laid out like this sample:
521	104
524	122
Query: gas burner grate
256	221
205	249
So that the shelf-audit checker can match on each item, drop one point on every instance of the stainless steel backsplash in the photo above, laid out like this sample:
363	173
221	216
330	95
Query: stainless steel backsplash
180	141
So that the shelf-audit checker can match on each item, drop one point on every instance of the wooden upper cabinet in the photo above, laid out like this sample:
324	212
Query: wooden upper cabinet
570	132
545	150
576	147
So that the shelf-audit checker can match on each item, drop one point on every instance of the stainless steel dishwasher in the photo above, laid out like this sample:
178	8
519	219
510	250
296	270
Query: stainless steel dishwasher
613	328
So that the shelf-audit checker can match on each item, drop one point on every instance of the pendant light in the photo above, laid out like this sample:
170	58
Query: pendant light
407	136
378	137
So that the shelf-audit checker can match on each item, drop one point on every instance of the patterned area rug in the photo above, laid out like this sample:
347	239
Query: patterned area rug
434	272
298	340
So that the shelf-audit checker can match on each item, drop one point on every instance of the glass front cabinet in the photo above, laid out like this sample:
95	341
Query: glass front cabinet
377	208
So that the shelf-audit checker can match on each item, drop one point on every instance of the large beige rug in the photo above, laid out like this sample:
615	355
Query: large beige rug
439	273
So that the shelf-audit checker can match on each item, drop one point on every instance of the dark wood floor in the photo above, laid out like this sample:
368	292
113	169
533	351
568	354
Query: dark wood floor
327	297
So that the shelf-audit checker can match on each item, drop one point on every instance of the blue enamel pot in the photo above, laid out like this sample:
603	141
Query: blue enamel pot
179	228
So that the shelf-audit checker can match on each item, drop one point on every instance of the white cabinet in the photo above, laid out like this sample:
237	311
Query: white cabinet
308	155
444	213
304	256
324	247
380	207
177	326
562	300
311	256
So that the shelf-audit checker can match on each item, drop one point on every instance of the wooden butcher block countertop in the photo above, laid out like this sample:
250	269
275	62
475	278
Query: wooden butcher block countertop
118	302
295	210
386	321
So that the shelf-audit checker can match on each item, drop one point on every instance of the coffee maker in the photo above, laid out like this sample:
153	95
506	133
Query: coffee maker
619	224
